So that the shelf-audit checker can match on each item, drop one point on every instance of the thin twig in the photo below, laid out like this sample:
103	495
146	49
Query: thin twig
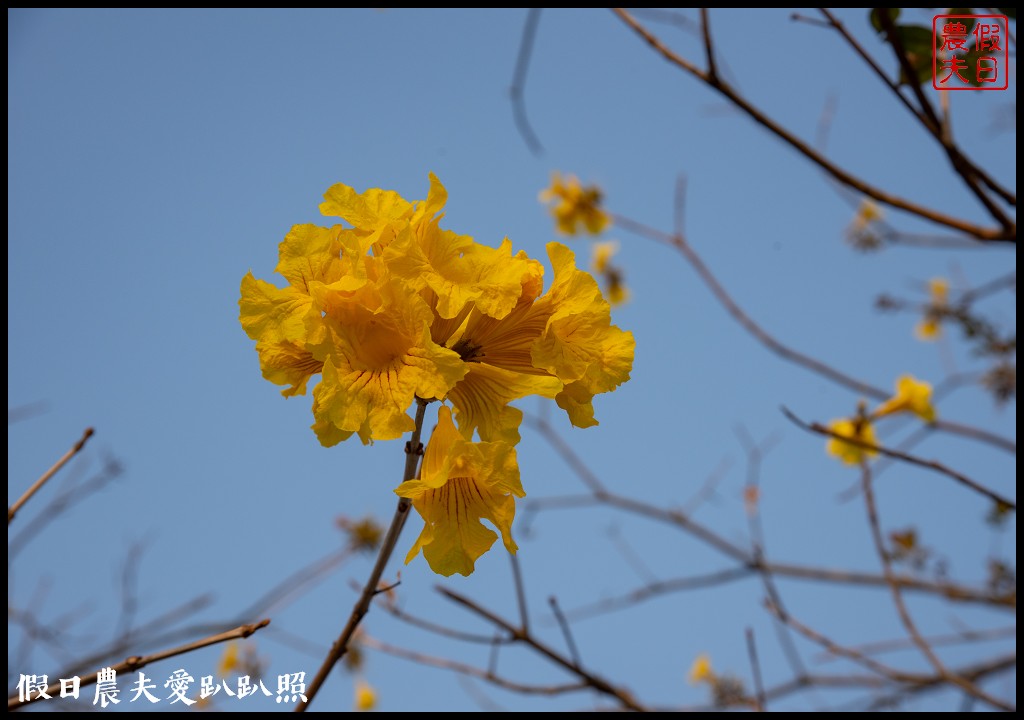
137	662
624	698
709	50
877	69
515	90
1003	234
739	315
570	643
460	635
1008	281
967	636
413	452
71	492
755	669
75	449
517	579
471	670
847	653
911	459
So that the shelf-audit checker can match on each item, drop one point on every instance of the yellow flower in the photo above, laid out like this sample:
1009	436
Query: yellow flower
912	395
378	357
396	308
615	288
603	254
276	318
229	660
701	670
461	483
930	326
575	205
869	211
858	428
366	696
561	344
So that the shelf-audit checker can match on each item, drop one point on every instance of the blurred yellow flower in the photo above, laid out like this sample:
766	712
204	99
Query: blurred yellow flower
930	326
460	484
229	659
912	395
366	696
861	231
859	429
601	263
869	211
603	254
575	205
701	670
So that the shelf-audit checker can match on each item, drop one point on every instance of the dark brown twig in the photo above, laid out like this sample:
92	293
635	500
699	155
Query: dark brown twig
413	451
623	697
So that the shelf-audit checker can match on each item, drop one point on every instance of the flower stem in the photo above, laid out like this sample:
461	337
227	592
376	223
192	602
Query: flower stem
413	452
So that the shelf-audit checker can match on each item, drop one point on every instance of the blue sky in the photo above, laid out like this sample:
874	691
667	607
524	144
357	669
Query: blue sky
156	156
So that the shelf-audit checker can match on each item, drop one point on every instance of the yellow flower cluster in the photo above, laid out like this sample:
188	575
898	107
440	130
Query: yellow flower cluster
574	206
912	395
395	308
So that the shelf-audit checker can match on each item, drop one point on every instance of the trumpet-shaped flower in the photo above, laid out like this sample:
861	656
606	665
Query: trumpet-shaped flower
276	318
460	484
378	357
912	395
561	344
930	326
858	429
396	307
574	205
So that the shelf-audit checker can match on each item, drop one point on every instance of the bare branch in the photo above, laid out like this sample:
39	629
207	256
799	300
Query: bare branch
904	613
574	652
471	670
137	662
755	669
515	90
1003	234
413	452
75	449
517	578
623	697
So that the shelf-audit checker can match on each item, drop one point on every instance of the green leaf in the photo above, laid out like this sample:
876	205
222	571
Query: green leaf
919	48
876	21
